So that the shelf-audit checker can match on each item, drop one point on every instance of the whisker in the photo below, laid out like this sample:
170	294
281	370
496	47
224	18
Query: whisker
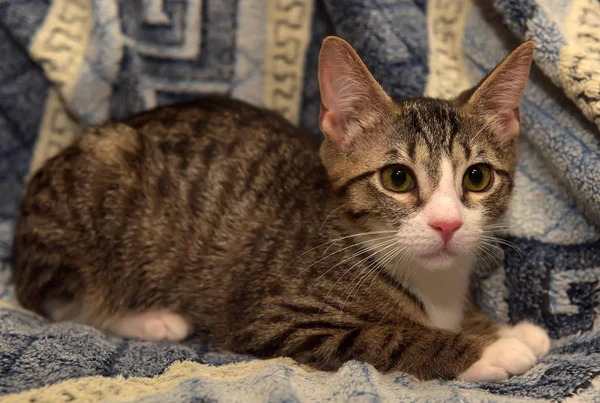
413	270
504	242
489	257
333	286
327	218
496	225
389	241
354	244
342	276
402	248
493	243
363	270
336	240
378	264
483	258
406	252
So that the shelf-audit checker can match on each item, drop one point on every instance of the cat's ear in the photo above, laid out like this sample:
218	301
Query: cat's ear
350	96
498	96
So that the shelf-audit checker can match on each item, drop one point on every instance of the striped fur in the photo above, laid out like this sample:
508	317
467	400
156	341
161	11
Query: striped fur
229	216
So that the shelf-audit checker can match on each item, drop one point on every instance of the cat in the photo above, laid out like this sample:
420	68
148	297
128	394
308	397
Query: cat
222	220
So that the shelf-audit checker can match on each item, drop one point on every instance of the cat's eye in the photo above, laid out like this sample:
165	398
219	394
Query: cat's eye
477	178
397	178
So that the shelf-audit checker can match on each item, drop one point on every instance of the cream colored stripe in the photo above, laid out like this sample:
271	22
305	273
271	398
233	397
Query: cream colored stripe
119	389
57	131
590	394
579	68
446	21
59	45
288	36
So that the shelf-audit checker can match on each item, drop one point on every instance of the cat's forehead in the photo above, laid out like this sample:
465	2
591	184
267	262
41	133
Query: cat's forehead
428	132
436	124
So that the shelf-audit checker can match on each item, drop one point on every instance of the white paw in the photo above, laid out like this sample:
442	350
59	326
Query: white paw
505	357
153	326
534	336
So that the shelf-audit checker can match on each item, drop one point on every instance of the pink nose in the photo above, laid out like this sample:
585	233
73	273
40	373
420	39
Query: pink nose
446	228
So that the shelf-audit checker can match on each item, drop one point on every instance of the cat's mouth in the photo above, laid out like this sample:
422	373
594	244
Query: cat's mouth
440	254
441	259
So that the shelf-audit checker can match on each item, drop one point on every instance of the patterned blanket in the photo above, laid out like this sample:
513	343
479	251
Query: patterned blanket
67	64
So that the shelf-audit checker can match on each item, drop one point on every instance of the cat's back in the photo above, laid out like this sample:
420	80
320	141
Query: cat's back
226	158
169	190
187	151
220	118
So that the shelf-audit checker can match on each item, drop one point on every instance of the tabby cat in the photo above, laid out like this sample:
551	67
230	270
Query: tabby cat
222	220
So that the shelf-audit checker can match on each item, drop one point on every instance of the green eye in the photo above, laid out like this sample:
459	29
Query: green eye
477	178
397	178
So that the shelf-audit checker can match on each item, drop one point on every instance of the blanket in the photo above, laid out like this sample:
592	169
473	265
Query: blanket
69	64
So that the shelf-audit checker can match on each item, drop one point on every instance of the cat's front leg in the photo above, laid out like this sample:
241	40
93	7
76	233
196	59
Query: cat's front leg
500	360
513	339
535	337
425	352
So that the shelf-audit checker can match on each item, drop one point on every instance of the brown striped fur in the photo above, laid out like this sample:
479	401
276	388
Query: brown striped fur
226	214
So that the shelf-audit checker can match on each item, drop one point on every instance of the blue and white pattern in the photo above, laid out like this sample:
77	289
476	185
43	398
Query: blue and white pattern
67	64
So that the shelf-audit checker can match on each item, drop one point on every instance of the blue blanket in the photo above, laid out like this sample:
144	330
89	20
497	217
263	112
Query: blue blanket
68	64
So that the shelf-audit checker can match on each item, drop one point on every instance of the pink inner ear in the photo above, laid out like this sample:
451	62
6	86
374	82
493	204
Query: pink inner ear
328	97
350	96
330	125
331	116
510	124
499	95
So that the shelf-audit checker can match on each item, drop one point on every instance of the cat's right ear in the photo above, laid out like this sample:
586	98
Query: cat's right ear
350	97
498	95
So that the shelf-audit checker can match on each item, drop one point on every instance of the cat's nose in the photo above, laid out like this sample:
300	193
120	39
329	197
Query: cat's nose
446	229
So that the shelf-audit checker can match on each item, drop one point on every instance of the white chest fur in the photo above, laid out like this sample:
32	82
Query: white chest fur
443	295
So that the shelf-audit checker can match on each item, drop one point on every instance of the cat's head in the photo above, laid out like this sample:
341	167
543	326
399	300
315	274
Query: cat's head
437	173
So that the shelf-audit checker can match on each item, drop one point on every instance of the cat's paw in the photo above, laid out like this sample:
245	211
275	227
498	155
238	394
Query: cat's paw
166	326
500	360
152	326
534	336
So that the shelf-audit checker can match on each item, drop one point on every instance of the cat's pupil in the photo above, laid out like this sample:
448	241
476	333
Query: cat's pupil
475	175
399	177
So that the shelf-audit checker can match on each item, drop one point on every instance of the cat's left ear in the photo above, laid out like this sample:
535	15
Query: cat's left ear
498	96
350	97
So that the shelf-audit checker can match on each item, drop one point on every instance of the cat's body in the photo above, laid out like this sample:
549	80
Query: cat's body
222	219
